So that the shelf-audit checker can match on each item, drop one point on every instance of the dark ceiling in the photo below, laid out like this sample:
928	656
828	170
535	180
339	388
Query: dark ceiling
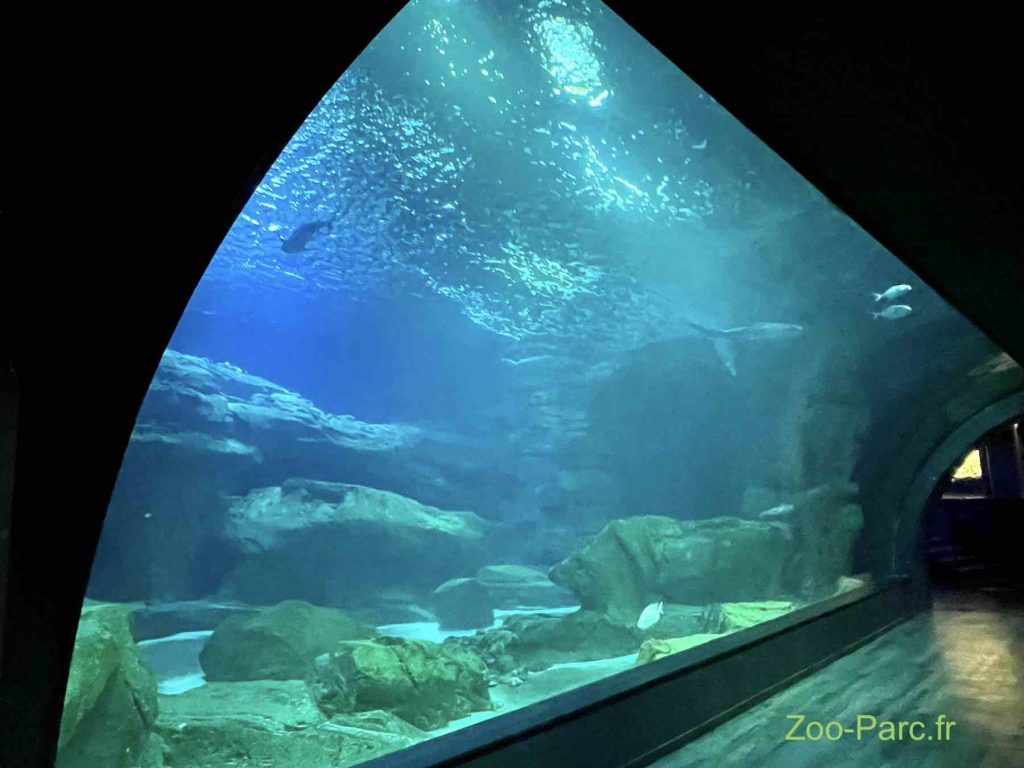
143	147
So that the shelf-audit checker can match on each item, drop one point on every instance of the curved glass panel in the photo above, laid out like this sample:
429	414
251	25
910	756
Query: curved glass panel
526	364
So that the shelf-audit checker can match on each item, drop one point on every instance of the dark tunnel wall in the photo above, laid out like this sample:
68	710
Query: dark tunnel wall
97	302
956	395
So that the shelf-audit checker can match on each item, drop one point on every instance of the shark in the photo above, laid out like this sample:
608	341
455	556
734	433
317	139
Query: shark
724	339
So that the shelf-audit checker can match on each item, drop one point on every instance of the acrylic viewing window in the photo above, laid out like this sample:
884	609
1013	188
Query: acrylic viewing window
526	365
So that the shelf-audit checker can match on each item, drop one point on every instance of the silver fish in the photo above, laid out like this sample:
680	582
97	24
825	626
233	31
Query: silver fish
893	312
893	292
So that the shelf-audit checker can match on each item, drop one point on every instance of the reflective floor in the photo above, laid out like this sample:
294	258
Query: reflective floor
961	663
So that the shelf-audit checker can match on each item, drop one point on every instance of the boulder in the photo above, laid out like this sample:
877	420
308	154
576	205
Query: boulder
208	431
637	560
426	684
274	723
520	586
542	641
111	700
535	642
277	643
737	616
463	604
338	544
659	648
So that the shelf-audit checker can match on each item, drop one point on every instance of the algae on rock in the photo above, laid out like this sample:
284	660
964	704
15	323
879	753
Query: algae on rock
276	643
426	684
111	701
273	723
659	648
637	560
463	604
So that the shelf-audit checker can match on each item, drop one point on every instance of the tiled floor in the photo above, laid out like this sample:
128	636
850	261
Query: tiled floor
963	661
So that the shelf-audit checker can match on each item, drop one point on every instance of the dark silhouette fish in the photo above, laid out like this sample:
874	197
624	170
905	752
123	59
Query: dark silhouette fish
300	238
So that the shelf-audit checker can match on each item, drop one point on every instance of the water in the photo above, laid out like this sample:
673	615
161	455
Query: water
518	299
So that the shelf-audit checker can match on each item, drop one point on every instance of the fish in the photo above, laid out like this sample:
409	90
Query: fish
893	312
893	292
300	238
650	615
724	340
525	360
780	512
702	145
751	332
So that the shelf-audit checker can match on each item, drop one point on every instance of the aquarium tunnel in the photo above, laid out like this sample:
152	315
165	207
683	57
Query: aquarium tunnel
533	411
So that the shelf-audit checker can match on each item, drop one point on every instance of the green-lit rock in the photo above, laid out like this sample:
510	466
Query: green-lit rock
463	604
679	621
637	560
736	616
426	684
659	648
580	636
538	642
111	700
272	723
277	643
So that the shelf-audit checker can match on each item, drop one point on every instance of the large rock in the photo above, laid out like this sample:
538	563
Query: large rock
635	561
278	643
463	604
426	684
111	701
541	641
208	431
336	544
522	586
273	723
535	642
737	616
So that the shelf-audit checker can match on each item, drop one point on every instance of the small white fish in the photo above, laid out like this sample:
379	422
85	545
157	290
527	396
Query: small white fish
651	615
894	312
893	292
702	145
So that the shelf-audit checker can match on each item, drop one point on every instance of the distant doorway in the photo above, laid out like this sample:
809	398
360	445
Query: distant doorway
974	525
